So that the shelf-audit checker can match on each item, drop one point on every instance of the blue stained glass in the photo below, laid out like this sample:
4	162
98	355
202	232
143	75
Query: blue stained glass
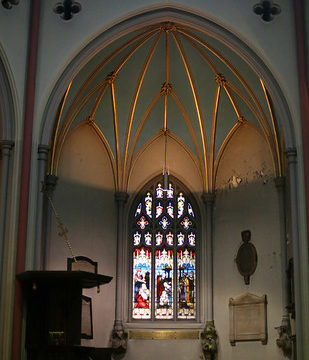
137	238
148	237
180	205
138	209
180	239
190	210
191	238
164	223
148	204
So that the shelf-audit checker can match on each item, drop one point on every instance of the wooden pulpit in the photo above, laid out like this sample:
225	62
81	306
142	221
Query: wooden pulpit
54	306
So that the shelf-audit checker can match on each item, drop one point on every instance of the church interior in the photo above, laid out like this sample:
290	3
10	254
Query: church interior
154	177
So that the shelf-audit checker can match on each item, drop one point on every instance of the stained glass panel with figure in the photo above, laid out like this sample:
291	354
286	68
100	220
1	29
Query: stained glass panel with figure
164	284
141	283
186	284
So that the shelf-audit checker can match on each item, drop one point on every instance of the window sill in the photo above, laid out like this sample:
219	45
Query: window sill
159	325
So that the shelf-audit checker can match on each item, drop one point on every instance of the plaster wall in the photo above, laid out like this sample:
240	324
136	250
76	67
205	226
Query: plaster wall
252	206
14	26
84	199
246	158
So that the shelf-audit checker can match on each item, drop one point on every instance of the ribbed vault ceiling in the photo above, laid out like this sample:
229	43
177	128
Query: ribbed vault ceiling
166	79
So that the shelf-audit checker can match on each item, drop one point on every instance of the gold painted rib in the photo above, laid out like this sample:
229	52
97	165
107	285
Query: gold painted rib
202	54
98	100
231	67
117	51
104	83
51	170
221	150
116	135
213	137
176	139
133	105
97	130
65	128
167	57
249	105
167	78
192	133
133	51
138	132
165	112
274	129
233	102
265	131
118	68
197	106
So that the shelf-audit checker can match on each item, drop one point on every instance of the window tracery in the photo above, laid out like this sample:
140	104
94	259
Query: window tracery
164	239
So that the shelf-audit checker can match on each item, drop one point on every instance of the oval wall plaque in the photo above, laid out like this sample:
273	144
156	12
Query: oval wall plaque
246	259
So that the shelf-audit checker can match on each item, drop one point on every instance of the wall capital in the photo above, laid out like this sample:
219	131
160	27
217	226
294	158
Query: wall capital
291	154
43	151
208	198
50	183
280	182
121	196
6	147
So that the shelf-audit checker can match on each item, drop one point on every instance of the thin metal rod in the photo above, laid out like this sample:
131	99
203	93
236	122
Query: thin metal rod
63	231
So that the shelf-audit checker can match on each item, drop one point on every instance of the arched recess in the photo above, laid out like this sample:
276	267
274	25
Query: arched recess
7	128
168	13
7	109
174	226
7	251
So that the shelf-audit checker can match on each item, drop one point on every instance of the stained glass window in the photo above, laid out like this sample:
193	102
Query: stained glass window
164	240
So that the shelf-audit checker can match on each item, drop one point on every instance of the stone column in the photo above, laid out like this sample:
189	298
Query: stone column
119	337
292	171
5	147
209	338
284	330
43	151
50	185
280	185
208	199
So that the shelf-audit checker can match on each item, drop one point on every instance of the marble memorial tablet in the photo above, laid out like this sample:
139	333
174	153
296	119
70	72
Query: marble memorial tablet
248	318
